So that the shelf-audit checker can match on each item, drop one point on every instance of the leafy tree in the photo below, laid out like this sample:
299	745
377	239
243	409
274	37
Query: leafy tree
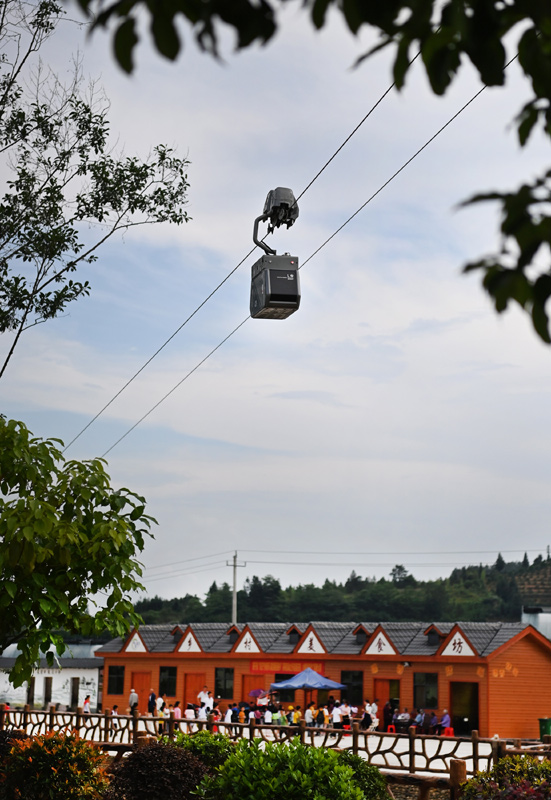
447	34
62	177
66	538
500	563
401	577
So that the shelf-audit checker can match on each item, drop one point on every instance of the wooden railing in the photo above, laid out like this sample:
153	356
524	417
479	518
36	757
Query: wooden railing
409	753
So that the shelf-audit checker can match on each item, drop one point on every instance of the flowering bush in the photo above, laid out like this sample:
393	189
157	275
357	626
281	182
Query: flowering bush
512	778
55	765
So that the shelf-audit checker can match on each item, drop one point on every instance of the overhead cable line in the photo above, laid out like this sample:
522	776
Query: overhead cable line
183	574
205	301
354	564
197	558
392	552
310	257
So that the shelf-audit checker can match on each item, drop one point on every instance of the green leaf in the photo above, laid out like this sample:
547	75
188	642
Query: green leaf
137	512
164	33
124	41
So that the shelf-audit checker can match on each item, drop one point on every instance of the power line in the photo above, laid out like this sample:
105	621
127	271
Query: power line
182	574
205	301
156	353
197	558
196	367
339	229
392	552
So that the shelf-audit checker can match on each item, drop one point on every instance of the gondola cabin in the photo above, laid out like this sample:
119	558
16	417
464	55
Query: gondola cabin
275	287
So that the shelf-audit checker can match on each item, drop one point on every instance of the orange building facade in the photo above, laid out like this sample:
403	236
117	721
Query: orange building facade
492	677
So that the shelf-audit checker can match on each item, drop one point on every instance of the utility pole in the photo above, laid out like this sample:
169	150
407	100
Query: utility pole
233	563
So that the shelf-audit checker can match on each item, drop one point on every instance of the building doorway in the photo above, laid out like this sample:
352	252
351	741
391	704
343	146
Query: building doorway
464	707
141	683
193	684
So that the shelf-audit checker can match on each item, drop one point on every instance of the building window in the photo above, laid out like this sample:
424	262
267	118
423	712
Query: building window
223	683
425	690
75	686
47	692
115	680
167	680
354	682
30	692
285	695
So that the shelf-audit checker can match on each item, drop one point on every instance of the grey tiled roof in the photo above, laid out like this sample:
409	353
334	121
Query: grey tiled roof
409	638
267	633
63	663
487	637
212	636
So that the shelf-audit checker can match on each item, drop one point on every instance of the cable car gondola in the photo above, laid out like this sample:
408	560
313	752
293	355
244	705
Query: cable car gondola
275	284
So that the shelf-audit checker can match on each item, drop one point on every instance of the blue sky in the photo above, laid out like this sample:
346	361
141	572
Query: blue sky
395	413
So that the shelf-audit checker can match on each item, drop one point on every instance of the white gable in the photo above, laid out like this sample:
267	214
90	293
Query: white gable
457	646
135	645
247	645
189	645
311	645
380	646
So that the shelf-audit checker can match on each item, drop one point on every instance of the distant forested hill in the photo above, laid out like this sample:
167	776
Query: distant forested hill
477	593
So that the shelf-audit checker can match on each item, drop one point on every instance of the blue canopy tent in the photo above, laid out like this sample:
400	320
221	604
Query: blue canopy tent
307	679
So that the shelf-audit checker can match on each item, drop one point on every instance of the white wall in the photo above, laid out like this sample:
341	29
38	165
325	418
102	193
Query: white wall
61	687
542	622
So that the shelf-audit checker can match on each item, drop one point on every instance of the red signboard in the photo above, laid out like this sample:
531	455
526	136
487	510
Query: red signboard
291	667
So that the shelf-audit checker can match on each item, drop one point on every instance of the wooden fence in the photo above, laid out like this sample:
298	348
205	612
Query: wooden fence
412	758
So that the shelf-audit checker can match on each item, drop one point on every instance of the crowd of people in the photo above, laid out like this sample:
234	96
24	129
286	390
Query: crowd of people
337	714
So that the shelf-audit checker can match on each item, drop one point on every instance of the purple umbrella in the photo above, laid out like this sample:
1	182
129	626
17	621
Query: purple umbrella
257	692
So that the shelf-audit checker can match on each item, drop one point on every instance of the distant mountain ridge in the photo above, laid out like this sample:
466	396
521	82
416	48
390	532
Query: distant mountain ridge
482	593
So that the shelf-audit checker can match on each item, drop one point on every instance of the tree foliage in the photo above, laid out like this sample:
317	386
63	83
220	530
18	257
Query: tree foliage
67	540
447	35
475	593
66	192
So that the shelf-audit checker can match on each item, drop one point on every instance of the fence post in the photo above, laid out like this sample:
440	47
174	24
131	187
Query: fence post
2	716
26	710
355	737
458	775
474	739
501	748
51	721
210	722
134	715
252	723
106	726
411	733
302	730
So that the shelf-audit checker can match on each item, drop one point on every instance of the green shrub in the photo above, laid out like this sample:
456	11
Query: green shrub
271	771
156	772
513	777
7	738
369	778
210	748
52	766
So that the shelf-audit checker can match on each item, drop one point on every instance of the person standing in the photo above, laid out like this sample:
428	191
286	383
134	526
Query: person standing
161	704
133	700
203	695
152	703
336	716
86	705
365	724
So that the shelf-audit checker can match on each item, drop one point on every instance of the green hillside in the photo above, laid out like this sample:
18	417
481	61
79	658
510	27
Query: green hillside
476	593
